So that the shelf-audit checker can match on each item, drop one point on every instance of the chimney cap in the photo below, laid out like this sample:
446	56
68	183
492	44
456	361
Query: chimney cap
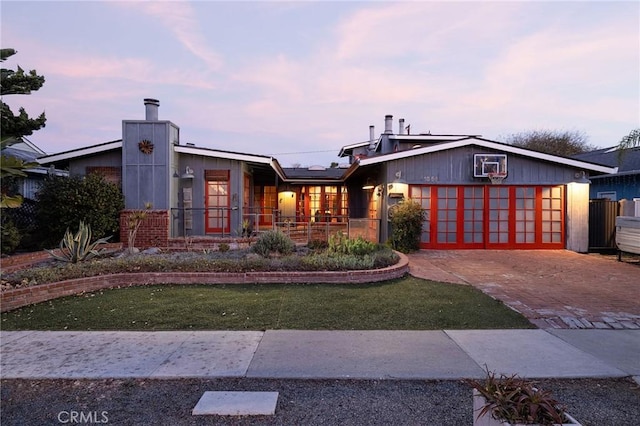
151	101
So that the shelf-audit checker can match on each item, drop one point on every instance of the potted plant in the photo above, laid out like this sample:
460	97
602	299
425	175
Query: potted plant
511	400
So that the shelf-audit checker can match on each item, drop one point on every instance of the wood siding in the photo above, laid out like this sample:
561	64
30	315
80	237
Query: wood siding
456	167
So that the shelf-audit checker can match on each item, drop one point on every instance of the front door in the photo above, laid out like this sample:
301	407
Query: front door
217	202
266	201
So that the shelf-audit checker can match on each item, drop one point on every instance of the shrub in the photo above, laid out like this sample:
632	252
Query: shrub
406	226
317	245
23	218
328	262
340	244
273	242
223	247
62	202
218	261
384	257
10	235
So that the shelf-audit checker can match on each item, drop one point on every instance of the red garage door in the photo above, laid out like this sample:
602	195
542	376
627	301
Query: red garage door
491	216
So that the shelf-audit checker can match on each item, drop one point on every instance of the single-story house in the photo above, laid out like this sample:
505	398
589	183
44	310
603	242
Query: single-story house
612	195
476	193
26	151
622	185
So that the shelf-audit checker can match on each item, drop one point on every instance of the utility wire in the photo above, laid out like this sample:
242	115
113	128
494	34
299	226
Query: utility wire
305	152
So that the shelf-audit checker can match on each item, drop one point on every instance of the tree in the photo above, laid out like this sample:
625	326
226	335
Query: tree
18	83
632	140
14	127
555	142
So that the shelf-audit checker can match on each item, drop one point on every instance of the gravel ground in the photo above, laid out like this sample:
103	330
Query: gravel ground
600	402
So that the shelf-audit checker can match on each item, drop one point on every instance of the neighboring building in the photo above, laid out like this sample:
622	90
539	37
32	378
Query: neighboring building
541	203
625	183
612	195
28	152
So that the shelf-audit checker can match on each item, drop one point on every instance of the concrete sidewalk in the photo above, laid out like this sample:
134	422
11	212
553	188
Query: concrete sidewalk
447	354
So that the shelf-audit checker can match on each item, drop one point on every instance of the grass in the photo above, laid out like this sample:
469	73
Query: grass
405	304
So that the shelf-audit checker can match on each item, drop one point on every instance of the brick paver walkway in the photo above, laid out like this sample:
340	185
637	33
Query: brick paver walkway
552	288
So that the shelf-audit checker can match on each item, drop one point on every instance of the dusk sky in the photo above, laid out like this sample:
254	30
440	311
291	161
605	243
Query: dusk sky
299	80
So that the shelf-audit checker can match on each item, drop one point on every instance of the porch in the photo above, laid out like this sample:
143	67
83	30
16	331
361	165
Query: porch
181	233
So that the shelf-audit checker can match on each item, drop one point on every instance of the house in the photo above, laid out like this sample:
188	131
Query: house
198	191
622	185
476	193
28	152
612	195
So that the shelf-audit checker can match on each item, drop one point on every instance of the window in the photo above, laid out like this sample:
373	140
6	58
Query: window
498	215
525	217
552	214
611	195
422	195
473	214
447	215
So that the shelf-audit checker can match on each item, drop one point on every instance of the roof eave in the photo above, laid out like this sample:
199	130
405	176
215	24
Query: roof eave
314	181
80	152
248	158
205	152
491	145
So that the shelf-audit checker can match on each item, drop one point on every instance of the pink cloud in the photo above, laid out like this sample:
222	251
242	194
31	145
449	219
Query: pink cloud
179	18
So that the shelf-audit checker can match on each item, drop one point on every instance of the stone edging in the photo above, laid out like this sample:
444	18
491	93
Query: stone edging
19	297
24	260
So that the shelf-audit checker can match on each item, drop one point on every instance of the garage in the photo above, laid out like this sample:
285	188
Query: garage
478	193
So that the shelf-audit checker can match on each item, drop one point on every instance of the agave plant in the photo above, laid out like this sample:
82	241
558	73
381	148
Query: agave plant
78	247
517	401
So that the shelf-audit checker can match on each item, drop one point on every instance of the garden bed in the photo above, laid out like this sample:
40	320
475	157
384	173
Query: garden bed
49	280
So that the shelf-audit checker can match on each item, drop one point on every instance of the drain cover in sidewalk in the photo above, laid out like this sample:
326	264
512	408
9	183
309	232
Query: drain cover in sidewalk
227	403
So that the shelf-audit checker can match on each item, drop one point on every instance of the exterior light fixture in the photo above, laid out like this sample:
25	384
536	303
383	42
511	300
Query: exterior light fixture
581	177
368	184
188	173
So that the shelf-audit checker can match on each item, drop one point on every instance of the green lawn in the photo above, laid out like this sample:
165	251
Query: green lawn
405	304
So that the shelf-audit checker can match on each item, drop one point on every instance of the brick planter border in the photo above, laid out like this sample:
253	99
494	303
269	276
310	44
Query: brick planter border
19	297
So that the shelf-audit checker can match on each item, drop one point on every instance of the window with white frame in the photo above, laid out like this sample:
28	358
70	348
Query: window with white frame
611	195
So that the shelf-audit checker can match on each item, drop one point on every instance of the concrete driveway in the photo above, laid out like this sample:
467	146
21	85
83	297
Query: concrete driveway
552	288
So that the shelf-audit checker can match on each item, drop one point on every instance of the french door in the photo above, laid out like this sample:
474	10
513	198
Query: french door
217	201
491	216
